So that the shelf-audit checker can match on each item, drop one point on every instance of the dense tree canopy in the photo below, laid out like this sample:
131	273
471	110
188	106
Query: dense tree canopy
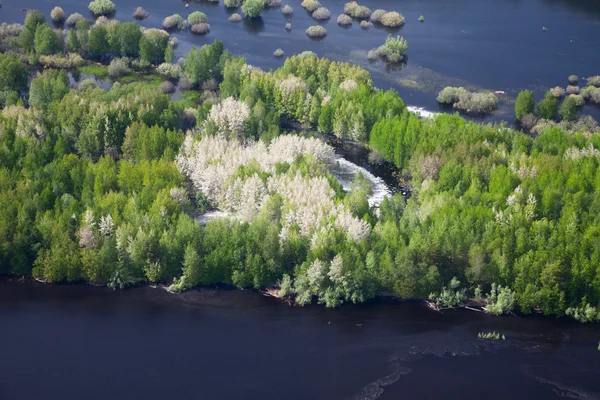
103	186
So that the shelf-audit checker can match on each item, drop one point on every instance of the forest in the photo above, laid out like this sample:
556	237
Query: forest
104	186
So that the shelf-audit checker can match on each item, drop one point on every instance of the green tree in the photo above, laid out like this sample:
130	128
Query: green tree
32	20
51	86
568	109
202	64
548	107
73	44
13	73
525	104
153	45
46	40
253	8
130	35
98	46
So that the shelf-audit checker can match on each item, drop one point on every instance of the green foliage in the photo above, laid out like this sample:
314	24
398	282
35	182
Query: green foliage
204	63
253	8
32	20
548	107
568	109
394	49
102	7
501	300
13	73
98	46
153	45
451	295
46	40
525	104
197	17
490	336
49	87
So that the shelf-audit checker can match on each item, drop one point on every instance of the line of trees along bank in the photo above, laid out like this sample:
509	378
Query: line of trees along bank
91	191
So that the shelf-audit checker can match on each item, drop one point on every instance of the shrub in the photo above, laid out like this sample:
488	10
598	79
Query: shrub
117	67
557	92
310	5
197	17
573	79
525	104
344	20
185	84
548	107
373	54
57	14
102	7
568	109
167	87
579	100
421	19
477	103
102	20
394	49
140	13
235	17
365	24
528	121
253	8
392	19
361	12
210	85
448	95
232	3
501	300
169	71
349	7
377	14
278	53
201	28
594	81
462	99
591	93
288	27
321	13
287	10
71	60
174	21
273	3
174	42
140	64
73	18
316	31
571	89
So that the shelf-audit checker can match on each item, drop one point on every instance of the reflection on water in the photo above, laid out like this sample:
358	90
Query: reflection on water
230	344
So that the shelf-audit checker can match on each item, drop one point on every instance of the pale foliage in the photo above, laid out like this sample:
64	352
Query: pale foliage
230	117
309	201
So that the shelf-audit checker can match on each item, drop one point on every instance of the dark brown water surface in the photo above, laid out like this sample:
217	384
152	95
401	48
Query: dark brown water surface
74	342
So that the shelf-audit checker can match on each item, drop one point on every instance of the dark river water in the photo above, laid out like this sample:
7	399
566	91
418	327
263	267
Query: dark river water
74	342
482	44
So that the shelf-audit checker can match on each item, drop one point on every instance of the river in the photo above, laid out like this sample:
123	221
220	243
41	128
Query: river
75	341
482	44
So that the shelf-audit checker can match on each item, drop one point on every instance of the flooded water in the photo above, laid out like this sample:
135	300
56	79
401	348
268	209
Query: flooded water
482	44
73	342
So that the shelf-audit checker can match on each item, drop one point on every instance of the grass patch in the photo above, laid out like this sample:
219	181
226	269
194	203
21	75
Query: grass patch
99	71
190	98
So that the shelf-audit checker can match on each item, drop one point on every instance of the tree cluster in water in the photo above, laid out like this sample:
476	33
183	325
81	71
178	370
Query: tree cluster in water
102	185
